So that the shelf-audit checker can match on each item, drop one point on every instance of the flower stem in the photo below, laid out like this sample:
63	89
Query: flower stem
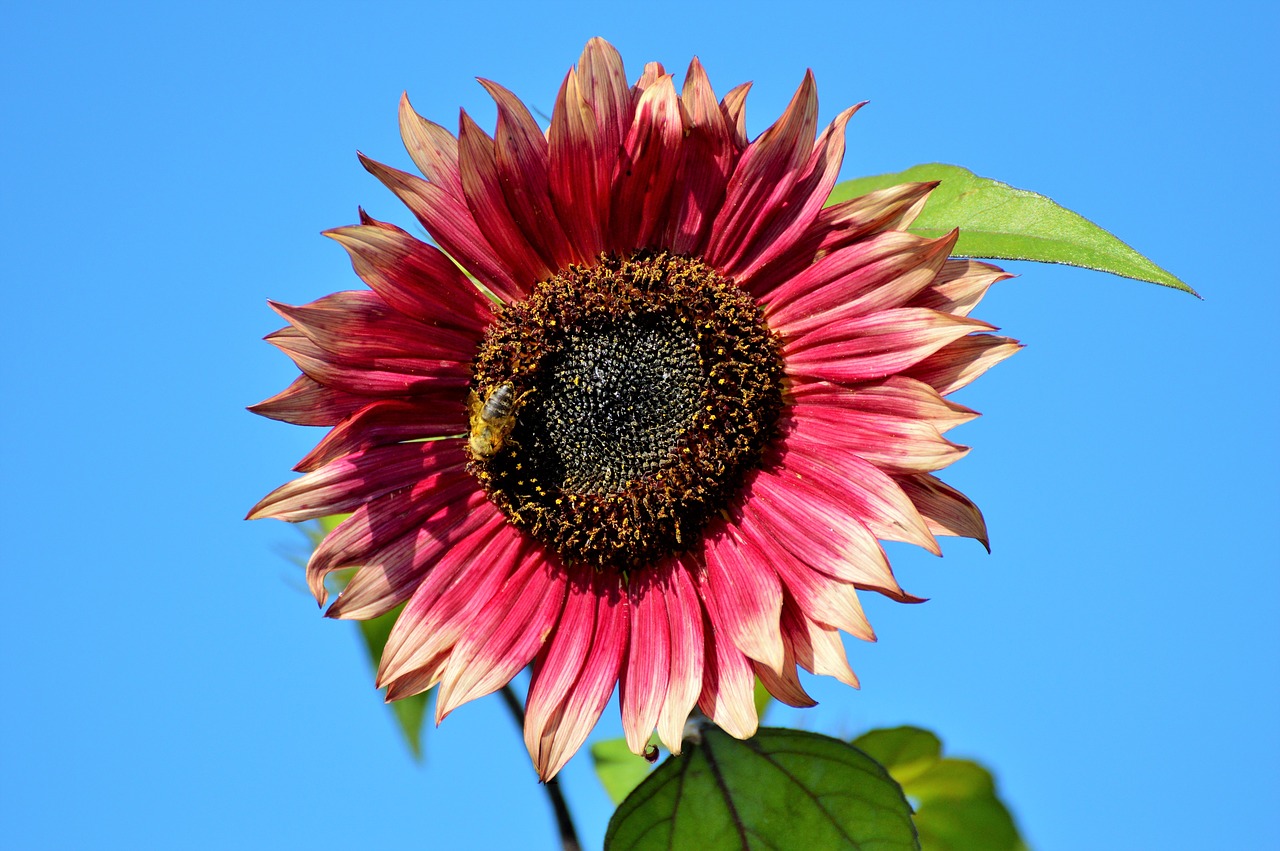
564	821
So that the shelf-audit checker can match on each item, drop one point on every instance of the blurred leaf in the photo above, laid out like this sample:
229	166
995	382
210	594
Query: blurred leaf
618	768
762	699
957	806
998	221
410	712
781	789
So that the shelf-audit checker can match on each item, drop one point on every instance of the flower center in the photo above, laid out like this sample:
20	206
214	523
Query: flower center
619	407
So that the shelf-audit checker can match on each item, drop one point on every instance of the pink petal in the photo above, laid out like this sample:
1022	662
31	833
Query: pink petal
506	635
643	687
762	180
450	596
869	494
447	219
945	509
434	149
874	346
784	684
895	396
743	597
359	327
894	444
576	671
405	532
728	689
840	226
882	272
307	402
483	184
342	485
817	647
734	107
414	278
685	617
961	362
959	287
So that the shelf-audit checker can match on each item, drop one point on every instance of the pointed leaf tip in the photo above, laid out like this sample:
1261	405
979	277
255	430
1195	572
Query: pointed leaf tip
1002	222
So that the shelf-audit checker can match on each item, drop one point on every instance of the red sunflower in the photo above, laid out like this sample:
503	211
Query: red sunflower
641	417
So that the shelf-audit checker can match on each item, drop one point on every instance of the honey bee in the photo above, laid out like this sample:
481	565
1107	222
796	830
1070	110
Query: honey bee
492	418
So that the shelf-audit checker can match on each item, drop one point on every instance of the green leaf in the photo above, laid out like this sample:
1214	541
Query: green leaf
618	768
957	805
1001	222
781	789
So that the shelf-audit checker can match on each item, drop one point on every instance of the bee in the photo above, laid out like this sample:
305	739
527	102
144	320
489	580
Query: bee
492	418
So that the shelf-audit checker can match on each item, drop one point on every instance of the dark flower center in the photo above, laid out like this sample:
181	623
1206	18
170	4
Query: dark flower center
626	403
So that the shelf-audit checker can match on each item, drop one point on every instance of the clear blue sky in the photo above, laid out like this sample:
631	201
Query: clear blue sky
167	167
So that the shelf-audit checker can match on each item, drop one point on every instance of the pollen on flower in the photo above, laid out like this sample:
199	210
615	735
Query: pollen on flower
637	411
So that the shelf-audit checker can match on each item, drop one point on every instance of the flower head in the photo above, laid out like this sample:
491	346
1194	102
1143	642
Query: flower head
641	417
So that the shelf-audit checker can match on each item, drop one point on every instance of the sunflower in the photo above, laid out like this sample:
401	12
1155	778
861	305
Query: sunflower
644	415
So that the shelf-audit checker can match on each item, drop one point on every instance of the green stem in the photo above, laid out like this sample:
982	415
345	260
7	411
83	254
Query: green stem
564	821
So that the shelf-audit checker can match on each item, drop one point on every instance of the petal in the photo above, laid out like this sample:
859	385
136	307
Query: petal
396	538
482	183
358	327
388	421
348	482
523	165
685	616
894	444
643	687
505	636
412	277
450	597
959	287
308	402
945	509
434	149
743	597
868	347
870	494
578	189
708	154
817	647
728	689
784	684
895	396
575	672
763	178
795	214
734	107
961	362
646	173
450	223
391	376
882	272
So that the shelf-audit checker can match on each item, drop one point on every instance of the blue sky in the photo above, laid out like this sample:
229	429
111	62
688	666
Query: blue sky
168	167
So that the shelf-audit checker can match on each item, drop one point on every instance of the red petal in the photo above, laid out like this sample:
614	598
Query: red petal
308	402
576	671
959	287
743	597
646	173
894	444
390	376
450	596
505	635
387	421
416	279
357	327
728	689
483	185
734	107
450	223
817	647
579	191
434	150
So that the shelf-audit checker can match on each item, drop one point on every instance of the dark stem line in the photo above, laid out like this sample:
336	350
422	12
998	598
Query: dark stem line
564	821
